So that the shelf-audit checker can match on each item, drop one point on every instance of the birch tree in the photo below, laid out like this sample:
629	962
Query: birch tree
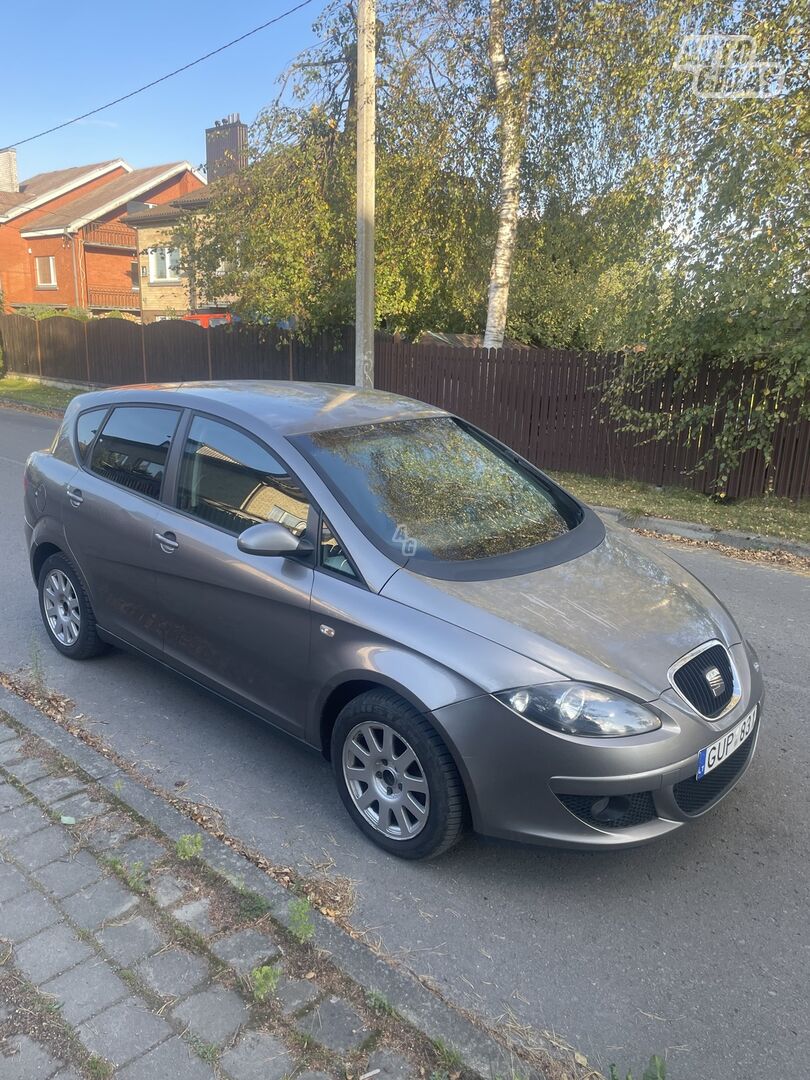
512	100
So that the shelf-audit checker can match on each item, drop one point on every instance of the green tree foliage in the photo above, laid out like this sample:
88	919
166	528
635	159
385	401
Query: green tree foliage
722	292
652	218
280	237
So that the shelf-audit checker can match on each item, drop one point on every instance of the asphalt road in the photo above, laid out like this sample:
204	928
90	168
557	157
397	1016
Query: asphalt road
698	947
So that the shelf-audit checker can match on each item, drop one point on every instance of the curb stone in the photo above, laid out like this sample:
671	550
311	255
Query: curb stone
688	530
413	1001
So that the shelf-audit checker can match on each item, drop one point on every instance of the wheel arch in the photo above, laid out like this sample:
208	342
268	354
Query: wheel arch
338	697
41	553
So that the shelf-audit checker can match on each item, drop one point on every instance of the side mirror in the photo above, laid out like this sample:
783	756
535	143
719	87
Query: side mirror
270	538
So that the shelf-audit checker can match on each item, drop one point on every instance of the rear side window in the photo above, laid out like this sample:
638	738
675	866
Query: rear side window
86	427
133	446
231	481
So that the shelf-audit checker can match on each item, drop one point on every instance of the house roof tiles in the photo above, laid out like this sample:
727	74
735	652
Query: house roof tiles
107	197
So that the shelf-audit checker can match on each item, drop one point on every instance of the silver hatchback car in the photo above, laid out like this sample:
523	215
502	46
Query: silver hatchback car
463	639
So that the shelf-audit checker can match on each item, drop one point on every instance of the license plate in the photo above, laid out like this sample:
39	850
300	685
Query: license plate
715	754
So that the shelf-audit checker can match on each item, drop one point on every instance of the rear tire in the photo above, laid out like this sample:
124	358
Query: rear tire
66	610
396	777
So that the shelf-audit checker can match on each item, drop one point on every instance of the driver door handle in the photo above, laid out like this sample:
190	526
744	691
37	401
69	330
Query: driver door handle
168	542
75	496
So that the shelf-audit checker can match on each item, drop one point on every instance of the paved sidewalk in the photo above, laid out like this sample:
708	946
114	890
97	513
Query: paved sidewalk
120	957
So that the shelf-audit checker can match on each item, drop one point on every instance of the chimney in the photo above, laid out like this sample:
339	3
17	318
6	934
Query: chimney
226	147
8	171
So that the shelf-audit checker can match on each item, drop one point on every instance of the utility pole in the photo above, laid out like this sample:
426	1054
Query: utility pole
366	123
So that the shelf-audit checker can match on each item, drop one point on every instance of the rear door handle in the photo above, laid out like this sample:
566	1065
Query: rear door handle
168	542
75	496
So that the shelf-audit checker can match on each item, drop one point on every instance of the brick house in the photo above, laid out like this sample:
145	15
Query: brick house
62	239
166	289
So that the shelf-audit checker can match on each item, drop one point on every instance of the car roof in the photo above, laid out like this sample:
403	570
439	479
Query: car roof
287	407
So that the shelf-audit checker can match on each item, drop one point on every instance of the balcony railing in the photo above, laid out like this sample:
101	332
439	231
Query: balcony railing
111	235
114	299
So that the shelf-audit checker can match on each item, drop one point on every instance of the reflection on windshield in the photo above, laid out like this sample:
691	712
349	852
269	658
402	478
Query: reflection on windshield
435	490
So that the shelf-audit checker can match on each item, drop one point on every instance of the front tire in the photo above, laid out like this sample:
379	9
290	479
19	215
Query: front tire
396	777
66	610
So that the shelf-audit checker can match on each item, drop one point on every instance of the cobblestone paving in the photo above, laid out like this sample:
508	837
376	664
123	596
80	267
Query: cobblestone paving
101	933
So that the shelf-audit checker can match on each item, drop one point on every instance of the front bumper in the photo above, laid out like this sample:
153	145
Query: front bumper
533	785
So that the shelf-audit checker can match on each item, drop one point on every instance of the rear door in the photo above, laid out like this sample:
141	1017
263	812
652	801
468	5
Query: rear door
110	519
239	623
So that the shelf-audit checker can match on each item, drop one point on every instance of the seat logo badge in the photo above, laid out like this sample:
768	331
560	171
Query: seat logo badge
717	683
328	630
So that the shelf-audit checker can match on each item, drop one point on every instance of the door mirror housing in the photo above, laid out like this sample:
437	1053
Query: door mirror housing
270	538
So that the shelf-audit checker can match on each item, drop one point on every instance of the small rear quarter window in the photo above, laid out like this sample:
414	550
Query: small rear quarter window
87	425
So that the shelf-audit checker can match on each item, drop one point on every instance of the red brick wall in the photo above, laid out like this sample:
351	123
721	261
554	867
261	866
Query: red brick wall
108	270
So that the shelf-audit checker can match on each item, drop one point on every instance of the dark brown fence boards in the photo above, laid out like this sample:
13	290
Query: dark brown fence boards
62	348
114	352
18	340
175	351
549	404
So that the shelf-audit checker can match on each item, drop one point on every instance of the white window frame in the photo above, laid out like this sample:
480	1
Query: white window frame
172	276
52	284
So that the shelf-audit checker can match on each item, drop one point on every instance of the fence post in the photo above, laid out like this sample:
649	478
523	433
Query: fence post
86	353
39	348
143	351
208	347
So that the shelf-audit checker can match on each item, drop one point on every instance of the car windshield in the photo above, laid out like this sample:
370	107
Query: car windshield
433	489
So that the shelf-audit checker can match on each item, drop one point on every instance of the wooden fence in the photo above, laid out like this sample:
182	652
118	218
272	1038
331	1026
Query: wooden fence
115	352
549	404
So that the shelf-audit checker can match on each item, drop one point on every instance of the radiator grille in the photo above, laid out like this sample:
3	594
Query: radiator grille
707	681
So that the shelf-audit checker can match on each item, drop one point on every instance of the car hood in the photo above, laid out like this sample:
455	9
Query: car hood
619	615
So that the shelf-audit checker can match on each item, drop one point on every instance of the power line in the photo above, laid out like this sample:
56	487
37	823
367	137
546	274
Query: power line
163	78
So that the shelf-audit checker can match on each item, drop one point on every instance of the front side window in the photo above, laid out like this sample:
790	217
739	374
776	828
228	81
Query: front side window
431	489
164	264
229	480
133	446
46	271
86	427
332	555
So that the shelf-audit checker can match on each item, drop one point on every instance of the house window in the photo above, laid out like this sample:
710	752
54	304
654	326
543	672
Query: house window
164	264
46	271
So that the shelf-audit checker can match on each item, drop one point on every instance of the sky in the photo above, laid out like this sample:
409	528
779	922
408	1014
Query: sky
64	59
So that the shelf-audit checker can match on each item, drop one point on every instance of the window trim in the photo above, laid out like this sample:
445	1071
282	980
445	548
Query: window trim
172	484
112	406
54	284
153	279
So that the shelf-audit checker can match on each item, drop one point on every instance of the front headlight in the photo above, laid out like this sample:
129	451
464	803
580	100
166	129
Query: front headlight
579	709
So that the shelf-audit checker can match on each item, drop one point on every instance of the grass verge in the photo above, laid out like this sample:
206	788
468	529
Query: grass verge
30	392
765	515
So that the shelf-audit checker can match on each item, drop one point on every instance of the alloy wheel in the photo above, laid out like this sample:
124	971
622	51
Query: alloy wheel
386	780
62	608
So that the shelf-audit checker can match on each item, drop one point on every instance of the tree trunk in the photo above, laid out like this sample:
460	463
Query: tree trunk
511	136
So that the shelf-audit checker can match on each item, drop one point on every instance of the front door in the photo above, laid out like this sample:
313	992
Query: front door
239	623
109	519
